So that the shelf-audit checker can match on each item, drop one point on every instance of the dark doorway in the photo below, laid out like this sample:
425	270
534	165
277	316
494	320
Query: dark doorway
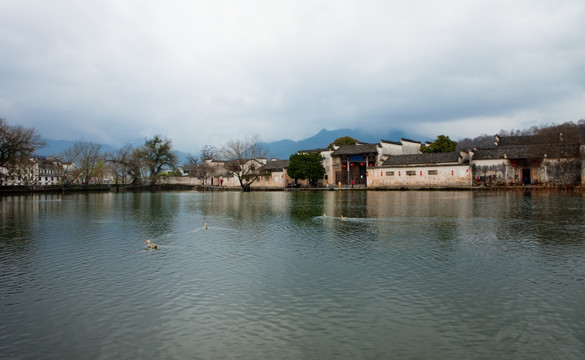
357	174
526	176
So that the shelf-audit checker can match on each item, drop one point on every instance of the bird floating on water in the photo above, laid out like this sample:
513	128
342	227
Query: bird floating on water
343	217
205	226
151	246
324	215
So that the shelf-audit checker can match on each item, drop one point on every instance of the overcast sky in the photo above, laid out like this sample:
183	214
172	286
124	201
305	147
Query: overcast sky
204	72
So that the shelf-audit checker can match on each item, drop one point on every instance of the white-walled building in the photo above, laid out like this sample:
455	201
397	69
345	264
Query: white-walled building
38	171
435	170
273	175
349	163
527	165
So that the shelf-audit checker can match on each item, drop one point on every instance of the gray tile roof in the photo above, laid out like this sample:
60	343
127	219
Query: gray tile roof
276	165
312	151
391	142
527	152
422	159
356	149
408	140
505	152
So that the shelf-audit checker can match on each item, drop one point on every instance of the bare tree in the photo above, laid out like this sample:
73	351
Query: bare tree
192	159
136	168
208	152
244	159
157	155
126	164
483	141
24	170
85	157
17	144
566	133
116	165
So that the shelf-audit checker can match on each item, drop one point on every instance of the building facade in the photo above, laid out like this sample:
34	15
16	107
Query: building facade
520	160
349	164
439	170
37	171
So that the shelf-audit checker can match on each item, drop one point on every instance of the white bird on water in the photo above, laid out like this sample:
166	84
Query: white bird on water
343	217
151	246
205	226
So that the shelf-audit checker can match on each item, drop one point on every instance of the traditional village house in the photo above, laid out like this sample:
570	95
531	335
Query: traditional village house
273	175
222	172
217	173
351	163
404	147
211	170
26	174
431	170
38	171
214	172
250	168
522	160
50	171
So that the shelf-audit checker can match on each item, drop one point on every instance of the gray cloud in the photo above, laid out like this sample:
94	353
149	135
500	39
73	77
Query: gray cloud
202	73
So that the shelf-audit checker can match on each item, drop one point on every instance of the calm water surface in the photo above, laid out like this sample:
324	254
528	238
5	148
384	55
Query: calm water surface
408	275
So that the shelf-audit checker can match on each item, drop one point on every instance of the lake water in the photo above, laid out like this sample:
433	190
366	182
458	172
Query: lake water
407	275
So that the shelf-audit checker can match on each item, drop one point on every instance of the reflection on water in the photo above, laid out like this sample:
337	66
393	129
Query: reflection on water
345	274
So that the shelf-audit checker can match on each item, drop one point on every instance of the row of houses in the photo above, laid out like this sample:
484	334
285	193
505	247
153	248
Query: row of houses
517	160
514	160
47	171
38	171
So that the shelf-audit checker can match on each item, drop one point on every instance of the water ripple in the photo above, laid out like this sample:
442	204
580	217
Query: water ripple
407	274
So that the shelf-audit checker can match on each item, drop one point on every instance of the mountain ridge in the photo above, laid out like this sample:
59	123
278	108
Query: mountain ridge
280	149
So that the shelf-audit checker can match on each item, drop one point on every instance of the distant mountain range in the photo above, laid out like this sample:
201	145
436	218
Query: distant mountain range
57	147
281	149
